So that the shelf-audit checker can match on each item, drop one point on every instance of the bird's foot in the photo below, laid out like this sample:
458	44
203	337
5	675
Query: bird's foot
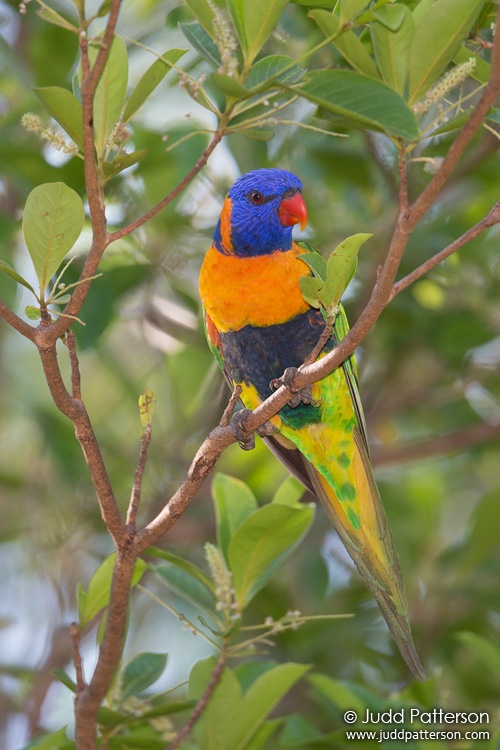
302	396
246	440
266	430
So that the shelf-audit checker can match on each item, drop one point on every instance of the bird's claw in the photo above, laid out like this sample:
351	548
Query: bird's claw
266	429
245	440
302	396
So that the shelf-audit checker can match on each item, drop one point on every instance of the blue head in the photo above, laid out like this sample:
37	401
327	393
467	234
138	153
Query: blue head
259	213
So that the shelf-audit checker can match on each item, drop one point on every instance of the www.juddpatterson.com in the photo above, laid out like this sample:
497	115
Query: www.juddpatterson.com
440	720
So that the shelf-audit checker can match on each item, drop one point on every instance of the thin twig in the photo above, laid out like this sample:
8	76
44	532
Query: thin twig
224	420
217	137
454	441
135	497
75	410
325	335
75	366
492	218
77	657
202	703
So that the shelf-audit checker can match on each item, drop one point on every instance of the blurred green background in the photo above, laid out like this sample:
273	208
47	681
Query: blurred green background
429	368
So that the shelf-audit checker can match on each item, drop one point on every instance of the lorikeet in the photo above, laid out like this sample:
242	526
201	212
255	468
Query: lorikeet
258	324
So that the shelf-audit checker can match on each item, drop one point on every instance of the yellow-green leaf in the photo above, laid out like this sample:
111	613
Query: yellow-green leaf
111	90
52	222
437	38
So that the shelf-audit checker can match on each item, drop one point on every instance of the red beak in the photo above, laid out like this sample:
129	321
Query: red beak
293	211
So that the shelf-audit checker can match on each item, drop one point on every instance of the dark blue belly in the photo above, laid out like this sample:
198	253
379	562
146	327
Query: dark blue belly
258	355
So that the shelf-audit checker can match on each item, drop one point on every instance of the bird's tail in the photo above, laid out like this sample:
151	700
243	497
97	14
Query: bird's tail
372	548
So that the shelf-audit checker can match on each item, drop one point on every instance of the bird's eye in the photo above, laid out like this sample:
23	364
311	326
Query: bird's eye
256	197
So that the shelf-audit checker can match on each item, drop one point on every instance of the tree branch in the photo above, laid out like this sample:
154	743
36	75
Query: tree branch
202	703
454	441
217	137
139	473
427	197
16	322
491	218
89	699
75	410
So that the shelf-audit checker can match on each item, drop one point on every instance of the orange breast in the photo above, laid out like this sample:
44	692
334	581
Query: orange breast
259	291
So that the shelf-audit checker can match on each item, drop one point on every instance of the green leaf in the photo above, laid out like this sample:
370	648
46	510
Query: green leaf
341	266
65	108
487	653
104	8
233	502
269	69
9	271
254	22
199	677
188	587
339	695
261	544
289	493
330	278
348	44
203	11
65	679
311	288
52	16
150	80
52	222
391	16
111	90
32	312
391	50
141	672
482	69
81	600
183	564
361	102
437	38
316	263
232	719
299	732
122	161
99	587
53	741
202	43
230	86
351	8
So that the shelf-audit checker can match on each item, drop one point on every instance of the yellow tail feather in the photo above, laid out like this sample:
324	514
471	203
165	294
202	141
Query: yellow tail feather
372	549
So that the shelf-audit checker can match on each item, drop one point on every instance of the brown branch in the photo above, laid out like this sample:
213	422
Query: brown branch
75	367
201	467
75	410
16	322
325	335
224	420
427	197
408	217
202	703
88	700
135	497
217	137
77	657
455	441
491	218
